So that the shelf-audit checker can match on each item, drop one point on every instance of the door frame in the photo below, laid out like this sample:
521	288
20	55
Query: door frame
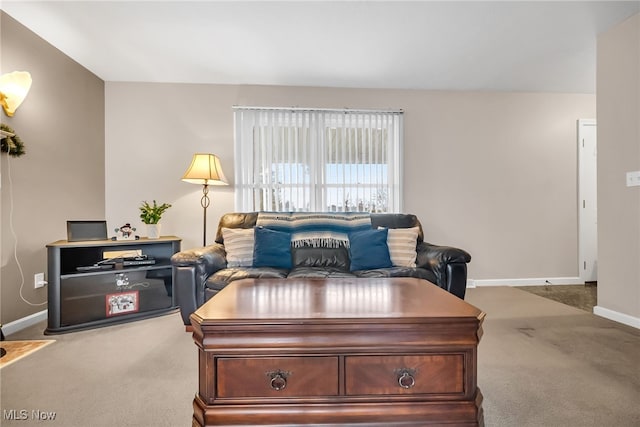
586	249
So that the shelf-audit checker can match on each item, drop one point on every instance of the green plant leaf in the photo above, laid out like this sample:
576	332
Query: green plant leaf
152	213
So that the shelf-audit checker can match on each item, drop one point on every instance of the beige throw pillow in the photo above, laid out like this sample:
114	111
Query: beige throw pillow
238	243
402	246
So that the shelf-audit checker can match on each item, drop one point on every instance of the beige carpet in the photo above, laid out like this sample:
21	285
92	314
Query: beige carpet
544	363
584	297
16	350
540	363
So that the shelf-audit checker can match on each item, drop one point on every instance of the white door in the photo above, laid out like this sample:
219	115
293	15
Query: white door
587	201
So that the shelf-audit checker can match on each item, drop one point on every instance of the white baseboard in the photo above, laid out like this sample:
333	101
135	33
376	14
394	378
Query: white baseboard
617	316
471	283
25	322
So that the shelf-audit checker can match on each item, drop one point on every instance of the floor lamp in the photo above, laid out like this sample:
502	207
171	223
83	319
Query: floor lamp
205	170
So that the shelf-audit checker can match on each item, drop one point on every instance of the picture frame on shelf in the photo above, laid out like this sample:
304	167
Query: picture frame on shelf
126	232
122	303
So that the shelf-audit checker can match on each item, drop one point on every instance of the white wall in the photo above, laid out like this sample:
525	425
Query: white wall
493	173
618	91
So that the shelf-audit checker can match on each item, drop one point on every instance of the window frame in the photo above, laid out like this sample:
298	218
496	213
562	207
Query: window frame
317	124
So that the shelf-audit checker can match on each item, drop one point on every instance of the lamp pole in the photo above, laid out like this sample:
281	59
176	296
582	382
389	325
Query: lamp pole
204	202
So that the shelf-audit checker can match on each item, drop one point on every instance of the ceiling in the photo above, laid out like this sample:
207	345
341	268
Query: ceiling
477	45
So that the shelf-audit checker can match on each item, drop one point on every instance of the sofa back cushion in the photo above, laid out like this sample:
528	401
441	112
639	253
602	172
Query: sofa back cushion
308	256
315	257
235	220
397	220
386	220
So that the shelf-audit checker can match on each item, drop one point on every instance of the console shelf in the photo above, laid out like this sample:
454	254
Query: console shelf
88	299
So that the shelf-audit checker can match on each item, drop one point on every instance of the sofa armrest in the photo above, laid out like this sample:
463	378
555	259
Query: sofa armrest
433	255
449	265
207	259
191	268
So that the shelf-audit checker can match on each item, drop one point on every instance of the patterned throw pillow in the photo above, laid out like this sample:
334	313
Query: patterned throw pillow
238	243
402	246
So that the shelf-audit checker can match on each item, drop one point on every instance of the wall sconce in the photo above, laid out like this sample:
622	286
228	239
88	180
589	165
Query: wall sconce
206	170
13	89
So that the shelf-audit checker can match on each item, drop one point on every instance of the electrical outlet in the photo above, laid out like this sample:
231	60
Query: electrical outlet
633	179
38	280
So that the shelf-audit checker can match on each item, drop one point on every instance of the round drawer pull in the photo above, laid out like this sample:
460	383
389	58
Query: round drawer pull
278	382
406	380
406	377
278	379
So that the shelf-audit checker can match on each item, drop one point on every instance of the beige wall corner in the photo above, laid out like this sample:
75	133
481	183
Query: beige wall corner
60	177
618	106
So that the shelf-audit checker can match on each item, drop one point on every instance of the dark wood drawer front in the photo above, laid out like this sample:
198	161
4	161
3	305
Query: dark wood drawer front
415	374
277	377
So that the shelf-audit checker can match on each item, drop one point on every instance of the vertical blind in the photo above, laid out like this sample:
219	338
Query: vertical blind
317	160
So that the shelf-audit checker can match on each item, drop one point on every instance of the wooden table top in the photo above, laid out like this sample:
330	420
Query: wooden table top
316	301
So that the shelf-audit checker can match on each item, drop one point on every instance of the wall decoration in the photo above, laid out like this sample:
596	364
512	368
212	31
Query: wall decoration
11	143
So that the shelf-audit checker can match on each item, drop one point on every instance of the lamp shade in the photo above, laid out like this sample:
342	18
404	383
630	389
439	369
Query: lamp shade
13	89
205	169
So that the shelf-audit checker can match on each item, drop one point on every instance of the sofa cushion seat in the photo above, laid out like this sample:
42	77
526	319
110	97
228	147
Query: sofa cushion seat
221	278
218	280
318	273
417	272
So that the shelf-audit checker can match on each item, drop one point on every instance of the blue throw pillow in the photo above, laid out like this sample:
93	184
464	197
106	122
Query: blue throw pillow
271	248
369	250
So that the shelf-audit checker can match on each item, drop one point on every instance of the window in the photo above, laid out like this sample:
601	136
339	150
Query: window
317	160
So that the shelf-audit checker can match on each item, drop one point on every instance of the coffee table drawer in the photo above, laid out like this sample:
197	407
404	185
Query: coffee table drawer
277	377
410	374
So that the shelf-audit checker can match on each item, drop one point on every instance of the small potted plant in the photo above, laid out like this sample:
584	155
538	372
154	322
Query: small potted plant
150	214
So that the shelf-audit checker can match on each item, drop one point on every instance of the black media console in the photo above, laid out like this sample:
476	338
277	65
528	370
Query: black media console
82	297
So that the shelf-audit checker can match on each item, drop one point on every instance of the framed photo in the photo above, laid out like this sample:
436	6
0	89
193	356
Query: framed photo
122	303
126	232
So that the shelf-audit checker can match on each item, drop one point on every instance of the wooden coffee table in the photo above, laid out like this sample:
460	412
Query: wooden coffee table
347	352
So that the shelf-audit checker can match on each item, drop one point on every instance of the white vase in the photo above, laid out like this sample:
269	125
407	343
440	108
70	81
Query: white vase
153	231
